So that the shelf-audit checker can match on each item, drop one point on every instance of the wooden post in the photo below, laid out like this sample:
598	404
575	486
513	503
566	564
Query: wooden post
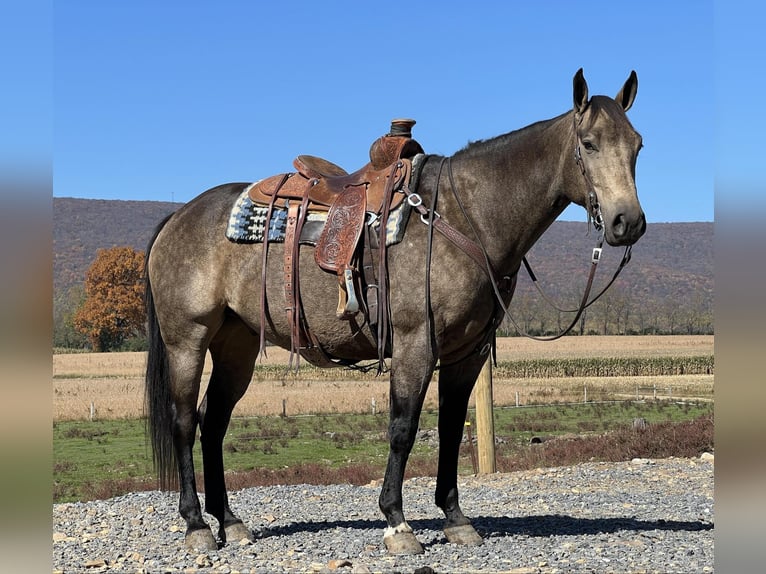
485	422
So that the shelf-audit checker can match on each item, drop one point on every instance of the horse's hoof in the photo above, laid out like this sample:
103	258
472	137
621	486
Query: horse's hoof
464	534
237	532
200	539
401	540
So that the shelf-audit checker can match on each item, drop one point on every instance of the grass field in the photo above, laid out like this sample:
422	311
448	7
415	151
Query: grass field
100	459
110	385
330	433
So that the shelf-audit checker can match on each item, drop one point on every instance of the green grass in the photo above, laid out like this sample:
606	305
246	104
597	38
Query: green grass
100	459
86	454
524	423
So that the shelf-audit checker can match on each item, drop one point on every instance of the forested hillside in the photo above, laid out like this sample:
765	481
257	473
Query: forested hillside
666	287
82	226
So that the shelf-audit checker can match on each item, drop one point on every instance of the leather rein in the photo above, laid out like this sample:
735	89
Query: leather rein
476	251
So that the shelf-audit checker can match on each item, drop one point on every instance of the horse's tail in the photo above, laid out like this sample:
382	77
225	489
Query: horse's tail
158	400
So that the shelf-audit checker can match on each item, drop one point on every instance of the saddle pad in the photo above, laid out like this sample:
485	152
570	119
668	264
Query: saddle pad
247	221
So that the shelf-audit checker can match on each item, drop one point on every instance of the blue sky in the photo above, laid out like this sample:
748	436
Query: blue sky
162	100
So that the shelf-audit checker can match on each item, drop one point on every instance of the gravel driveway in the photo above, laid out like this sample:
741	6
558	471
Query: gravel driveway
638	516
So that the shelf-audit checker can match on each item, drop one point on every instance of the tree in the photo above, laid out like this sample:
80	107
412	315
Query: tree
113	310
65	307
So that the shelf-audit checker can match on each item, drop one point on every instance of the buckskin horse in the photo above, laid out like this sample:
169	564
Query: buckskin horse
442	294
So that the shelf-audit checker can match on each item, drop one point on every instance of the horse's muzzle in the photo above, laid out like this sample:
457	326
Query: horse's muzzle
625	229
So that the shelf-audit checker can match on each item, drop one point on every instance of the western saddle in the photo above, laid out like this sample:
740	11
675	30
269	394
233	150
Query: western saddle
319	185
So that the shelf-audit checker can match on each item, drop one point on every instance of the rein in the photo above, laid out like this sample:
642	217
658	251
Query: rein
597	255
595	258
476	251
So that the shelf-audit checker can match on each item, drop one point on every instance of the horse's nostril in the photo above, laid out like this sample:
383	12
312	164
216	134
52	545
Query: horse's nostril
618	225
624	228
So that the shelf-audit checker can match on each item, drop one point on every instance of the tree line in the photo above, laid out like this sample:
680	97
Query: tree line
616	312
106	312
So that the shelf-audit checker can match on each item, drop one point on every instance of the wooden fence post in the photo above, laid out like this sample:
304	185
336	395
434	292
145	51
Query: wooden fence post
485	422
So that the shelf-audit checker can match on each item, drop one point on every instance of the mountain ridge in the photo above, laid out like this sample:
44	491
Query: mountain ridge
671	265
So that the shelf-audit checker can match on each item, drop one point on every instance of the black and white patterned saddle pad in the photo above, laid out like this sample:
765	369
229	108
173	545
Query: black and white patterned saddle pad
247	221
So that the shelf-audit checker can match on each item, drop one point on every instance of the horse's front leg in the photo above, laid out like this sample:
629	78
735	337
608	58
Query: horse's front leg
455	385
408	389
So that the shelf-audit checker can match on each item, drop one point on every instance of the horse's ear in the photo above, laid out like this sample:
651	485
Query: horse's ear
580	92
628	92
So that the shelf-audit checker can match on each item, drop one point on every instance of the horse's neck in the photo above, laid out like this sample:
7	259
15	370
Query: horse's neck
512	187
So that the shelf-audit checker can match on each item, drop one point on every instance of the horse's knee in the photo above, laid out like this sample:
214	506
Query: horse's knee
402	436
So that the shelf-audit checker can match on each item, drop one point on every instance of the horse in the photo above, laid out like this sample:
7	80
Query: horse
203	292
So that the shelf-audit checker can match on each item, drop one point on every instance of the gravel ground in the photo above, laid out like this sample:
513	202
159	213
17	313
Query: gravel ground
638	516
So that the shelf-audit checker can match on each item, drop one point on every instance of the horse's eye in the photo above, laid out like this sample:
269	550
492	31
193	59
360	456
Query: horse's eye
588	145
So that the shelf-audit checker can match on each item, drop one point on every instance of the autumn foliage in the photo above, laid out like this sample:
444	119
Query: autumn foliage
113	310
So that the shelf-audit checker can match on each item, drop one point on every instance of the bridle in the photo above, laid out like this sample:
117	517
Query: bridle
595	217
477	251
591	199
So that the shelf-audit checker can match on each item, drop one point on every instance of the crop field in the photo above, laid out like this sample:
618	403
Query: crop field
581	387
110	385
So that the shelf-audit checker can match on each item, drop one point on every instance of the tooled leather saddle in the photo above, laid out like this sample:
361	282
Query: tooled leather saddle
349	200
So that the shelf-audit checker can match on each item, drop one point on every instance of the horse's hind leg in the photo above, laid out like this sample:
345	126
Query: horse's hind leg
234	351
455	385
186	370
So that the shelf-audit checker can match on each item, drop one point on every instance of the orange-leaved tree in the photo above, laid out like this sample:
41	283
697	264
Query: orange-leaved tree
113	310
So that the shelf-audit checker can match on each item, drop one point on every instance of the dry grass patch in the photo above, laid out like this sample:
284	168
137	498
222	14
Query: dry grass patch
113	382
117	398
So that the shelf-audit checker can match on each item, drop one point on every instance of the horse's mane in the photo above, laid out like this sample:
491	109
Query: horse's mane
502	141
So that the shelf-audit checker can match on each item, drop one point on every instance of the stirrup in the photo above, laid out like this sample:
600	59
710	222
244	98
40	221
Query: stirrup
348	304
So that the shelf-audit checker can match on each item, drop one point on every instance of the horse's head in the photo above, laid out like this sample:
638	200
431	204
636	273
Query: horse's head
606	148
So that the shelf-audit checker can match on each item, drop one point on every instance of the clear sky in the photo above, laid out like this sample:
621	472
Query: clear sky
162	100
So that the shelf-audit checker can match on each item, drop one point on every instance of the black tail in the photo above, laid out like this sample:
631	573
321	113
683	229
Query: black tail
158	401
